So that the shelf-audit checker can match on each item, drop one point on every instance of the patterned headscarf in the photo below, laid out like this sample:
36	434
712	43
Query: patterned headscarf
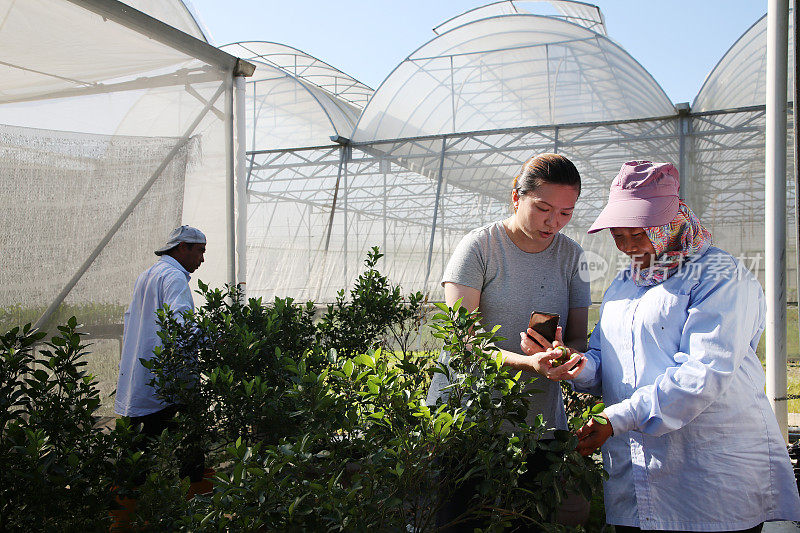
674	243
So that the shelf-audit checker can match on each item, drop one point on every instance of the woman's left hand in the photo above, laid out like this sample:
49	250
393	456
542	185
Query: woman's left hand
593	434
546	362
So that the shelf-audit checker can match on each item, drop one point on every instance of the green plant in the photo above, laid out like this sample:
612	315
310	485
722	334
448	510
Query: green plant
371	452
374	314
58	469
496	400
325	426
161	500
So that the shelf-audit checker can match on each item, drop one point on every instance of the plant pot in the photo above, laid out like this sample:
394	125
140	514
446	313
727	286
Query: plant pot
204	486
121	514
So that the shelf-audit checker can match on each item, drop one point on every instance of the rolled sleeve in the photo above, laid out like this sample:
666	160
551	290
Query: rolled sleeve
723	315
621	416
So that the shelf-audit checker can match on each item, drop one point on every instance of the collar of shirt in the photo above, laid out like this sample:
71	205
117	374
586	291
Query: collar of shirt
174	262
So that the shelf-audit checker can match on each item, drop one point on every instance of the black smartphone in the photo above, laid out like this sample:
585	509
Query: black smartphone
544	324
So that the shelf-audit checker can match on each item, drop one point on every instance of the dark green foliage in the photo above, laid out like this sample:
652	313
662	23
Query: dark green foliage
494	401
352	326
58	469
311	425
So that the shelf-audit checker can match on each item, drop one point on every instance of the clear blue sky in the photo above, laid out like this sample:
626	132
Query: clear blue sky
678	41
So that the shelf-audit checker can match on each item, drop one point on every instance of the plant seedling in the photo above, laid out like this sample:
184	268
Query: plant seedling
593	413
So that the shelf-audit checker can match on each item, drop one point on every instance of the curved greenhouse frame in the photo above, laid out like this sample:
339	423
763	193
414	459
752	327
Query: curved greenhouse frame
510	71
582	14
305	67
295	100
437	147
435	150
739	78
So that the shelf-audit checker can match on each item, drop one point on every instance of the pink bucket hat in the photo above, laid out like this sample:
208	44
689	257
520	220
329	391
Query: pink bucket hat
643	195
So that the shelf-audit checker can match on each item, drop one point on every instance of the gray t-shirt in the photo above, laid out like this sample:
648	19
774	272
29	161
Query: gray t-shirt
514	283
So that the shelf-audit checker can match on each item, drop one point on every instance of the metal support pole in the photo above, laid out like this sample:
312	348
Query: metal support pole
241	185
435	215
444	231
795	105
384	208
322	271
335	197
775	238
230	186
555	139
344	210
683	130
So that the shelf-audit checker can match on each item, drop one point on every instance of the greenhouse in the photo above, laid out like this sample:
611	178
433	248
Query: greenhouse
121	120
140	125
434	151
106	110
333	167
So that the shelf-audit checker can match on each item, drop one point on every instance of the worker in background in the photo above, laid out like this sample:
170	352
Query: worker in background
164	283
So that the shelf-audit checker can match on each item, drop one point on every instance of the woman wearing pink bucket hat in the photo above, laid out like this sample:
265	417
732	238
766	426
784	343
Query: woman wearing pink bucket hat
690	441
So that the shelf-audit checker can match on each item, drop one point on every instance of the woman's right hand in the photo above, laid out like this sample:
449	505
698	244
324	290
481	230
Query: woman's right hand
544	356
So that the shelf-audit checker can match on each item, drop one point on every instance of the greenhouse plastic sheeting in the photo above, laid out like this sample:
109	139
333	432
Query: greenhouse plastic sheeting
295	100
586	15
297	250
740	77
305	67
109	138
176	13
437	148
506	72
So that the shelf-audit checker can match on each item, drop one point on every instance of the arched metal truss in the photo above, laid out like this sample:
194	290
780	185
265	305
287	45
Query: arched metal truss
436	148
416	197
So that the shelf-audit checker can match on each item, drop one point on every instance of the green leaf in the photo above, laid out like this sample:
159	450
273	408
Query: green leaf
366	360
598	408
348	368
59	341
295	503
562	435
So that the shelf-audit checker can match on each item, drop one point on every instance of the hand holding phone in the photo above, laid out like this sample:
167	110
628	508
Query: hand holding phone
544	324
553	363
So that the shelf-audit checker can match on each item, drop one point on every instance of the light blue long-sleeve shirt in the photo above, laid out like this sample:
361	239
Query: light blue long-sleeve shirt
696	446
166	282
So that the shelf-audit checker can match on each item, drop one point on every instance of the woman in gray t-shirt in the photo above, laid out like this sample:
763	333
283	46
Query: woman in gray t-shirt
512	267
